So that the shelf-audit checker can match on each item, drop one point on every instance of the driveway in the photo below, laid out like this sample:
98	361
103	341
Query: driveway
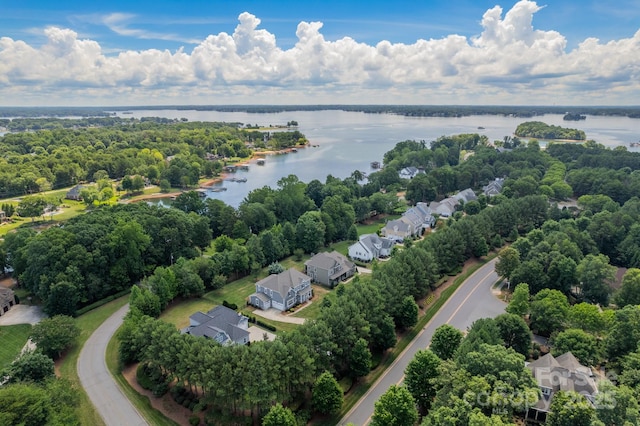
275	315
474	299
256	334
22	314
114	407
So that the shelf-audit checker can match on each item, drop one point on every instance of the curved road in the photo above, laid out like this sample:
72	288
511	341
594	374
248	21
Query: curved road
473	300
105	394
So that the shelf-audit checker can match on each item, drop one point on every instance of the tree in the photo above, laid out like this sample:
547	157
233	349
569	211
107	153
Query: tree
508	261
581	344
549	311
54	335
165	185
624	333
396	407
31	366
327	394
137	183
596	276
570	409
279	416
24	404
32	206
445	341
616	405
145	300
275	268
586	317
189	201
629	293
519	304
419	378
515	332
310	231
408	315
360	359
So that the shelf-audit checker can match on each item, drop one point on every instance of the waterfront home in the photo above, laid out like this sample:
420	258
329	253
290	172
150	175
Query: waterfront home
329	268
412	223
221	324
282	291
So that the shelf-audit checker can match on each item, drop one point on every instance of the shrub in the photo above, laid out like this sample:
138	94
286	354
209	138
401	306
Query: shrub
194	420
230	305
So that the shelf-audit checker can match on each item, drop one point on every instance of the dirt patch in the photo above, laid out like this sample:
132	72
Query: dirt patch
165	404
7	282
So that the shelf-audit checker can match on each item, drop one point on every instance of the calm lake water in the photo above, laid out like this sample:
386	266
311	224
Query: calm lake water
349	141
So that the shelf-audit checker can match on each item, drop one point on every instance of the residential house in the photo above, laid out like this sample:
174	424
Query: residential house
329	268
412	223
282	291
370	247
493	188
7	300
3	216
409	172
221	324
563	373
447	207
74	193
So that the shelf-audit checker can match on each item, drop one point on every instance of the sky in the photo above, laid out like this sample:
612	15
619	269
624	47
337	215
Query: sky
225	52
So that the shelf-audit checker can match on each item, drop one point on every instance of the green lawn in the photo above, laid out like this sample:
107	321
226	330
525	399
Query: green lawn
13	338
313	311
88	323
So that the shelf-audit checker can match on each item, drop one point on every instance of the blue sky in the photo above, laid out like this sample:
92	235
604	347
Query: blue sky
233	52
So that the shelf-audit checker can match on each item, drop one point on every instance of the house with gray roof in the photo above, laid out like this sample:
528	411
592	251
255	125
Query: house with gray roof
329	268
221	324
447	207
74	193
465	196
409	172
7	300
282	291
412	223
369	247
562	373
493	188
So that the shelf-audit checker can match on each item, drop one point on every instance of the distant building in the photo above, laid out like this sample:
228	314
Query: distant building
493	188
412	223
74	193
409	172
221	324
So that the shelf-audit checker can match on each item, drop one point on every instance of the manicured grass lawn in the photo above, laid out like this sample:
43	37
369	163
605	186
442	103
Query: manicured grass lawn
313	311
341	247
13	338
88	323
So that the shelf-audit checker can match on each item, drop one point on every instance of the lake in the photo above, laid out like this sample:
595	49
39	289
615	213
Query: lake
349	141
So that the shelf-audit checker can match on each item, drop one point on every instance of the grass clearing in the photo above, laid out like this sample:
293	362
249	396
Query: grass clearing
13	338
313	310
88	323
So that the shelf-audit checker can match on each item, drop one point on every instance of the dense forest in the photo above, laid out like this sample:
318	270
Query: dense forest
540	130
565	256
72	151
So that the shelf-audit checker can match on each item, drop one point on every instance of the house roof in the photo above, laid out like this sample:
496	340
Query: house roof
397	225
6	294
561	373
75	191
466	195
284	281
217	320
328	260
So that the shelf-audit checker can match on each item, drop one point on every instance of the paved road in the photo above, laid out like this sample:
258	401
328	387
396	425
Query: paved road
106	396
472	300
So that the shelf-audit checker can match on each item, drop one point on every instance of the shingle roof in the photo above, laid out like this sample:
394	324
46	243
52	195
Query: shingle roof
219	319
283	281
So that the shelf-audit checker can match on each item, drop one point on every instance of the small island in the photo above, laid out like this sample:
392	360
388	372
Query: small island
540	130
574	116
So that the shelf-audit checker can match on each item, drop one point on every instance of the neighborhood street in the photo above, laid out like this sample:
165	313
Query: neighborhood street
105	394
473	300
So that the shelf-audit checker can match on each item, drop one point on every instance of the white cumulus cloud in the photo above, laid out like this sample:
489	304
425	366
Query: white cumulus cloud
509	61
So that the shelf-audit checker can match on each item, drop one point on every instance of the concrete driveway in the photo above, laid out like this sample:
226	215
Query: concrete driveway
22	314
276	315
